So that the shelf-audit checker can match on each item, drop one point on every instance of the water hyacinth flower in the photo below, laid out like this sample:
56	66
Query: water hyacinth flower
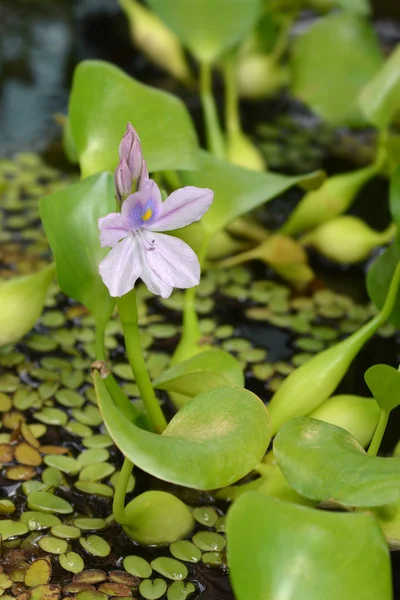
163	262
131	172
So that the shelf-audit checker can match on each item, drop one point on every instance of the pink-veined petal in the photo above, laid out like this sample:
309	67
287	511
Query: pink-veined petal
172	260
112	229
182	207
121	268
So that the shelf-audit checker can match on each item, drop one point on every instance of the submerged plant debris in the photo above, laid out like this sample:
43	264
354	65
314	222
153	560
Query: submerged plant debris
58	466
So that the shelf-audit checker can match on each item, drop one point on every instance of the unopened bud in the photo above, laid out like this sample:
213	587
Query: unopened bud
130	149
122	180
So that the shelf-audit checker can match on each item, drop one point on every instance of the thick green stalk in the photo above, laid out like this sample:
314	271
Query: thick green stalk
129	318
215	140
378	435
120	492
232	115
99	347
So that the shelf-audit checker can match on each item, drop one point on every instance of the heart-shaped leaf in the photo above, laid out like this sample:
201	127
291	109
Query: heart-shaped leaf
378	281
380	99
212	442
104	99
384	383
237	190
208	27
319	76
325	463
70	219
280	550
205	371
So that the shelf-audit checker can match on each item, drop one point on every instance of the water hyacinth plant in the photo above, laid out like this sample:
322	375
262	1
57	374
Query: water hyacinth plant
292	492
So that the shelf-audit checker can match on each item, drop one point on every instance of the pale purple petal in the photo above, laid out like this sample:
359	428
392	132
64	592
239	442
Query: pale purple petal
182	207
121	268
137	207
144	176
171	259
113	228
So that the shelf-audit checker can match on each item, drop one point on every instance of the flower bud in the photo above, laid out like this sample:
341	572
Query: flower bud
347	240
258	76
155	40
333	198
130	150
22	300
122	180
241	151
311	384
358	415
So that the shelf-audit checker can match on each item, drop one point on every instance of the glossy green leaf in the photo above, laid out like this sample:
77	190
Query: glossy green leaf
155	518
70	219
213	441
22	300
208	27
237	190
378	281
104	99
331	63
357	415
384	383
380	99
202	372
325	463
389	519
358	7
280	550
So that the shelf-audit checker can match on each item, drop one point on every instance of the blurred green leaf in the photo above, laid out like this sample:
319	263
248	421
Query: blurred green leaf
70	219
325	463
357	7
212	442
208	27
280	550
380	98
202	372
22	300
104	99
384	383
332	62
238	190
379	277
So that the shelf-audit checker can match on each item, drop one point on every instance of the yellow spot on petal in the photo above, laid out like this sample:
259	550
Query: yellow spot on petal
147	215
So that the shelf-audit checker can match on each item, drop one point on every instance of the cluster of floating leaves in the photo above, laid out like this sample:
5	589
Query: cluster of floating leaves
58	466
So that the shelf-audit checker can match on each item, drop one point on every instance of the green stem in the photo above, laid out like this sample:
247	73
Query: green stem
232	115
238	259
120	492
378	435
215	140
172	178
190	325
120	399
282	38
129	317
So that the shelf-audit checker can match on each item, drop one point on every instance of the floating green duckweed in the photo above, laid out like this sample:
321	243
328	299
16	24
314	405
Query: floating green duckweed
212	559
90	577
68	532
95	545
91	595
72	562
185	550
69	398
7	507
66	464
137	566
205	515
52	477
78	429
5	402
100	440
53	545
170	568
93	455
96	471
209	541
90	415
49	503
90	524
180	590
36	520
51	416
10	529
152	590
94	488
